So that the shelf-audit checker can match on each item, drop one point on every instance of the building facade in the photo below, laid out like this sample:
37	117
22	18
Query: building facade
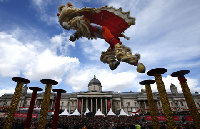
95	99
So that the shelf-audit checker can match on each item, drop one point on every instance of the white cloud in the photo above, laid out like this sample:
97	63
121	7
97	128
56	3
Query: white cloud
18	58
49	65
61	42
8	91
92	48
38	2
110	80
42	6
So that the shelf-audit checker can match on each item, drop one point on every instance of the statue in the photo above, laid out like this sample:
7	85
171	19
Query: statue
107	23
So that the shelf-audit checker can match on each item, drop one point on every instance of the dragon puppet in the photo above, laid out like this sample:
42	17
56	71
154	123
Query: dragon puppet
107	23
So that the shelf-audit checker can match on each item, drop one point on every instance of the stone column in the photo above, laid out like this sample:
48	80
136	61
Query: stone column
86	103
15	100
77	103
96	105
111	103
163	96
152	107
82	106
45	103
69	106
120	104
91	105
32	103
106	106
101	105
57	107
145	107
188	96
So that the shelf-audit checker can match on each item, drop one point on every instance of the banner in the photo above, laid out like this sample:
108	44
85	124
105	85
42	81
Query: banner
176	118
188	118
24	115
108	105
137	118
161	118
79	104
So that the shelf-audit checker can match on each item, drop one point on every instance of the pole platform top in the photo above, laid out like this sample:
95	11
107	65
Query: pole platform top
59	90
152	72
20	79
49	81
147	82
35	88
180	73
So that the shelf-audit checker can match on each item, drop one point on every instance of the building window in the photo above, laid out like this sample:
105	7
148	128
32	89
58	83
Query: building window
158	103
128	103
171	103
182	103
135	104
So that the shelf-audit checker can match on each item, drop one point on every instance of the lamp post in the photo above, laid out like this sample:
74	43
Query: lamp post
57	107
32	103
188	96
163	95
15	100
152	108
46	100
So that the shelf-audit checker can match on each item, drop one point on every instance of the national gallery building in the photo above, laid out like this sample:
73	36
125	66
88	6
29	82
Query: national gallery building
95	99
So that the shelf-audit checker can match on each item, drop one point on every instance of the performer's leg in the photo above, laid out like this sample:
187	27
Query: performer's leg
122	52
109	58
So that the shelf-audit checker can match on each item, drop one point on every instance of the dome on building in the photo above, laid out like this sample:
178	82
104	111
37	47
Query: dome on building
94	81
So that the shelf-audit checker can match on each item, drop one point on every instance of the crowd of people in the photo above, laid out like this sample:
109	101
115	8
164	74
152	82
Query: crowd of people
97	122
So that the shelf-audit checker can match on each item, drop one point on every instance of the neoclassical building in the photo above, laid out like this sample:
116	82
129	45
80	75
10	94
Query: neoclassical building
95	99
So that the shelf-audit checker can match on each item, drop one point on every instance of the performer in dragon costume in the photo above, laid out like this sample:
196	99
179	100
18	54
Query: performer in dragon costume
107	23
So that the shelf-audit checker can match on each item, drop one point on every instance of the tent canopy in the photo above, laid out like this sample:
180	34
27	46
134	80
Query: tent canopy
75	113
110	113
122	113
99	113
64	113
87	111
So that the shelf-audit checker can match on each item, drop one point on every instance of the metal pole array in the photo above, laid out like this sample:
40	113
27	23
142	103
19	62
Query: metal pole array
163	96
152	108
15	100
188	96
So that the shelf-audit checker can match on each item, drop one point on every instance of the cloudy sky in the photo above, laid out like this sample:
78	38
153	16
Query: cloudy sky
34	46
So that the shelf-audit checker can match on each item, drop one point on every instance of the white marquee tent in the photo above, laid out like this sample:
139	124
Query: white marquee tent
64	113
110	113
99	113
87	111
75	113
122	113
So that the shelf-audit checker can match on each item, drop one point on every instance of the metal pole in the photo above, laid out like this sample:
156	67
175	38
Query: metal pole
188	96
152	107
163	96
57	107
15	100
45	103
32	103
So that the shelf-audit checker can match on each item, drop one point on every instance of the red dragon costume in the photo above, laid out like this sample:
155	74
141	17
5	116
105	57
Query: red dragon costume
107	23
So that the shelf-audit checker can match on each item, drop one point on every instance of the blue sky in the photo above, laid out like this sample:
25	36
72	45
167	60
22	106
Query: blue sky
34	46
